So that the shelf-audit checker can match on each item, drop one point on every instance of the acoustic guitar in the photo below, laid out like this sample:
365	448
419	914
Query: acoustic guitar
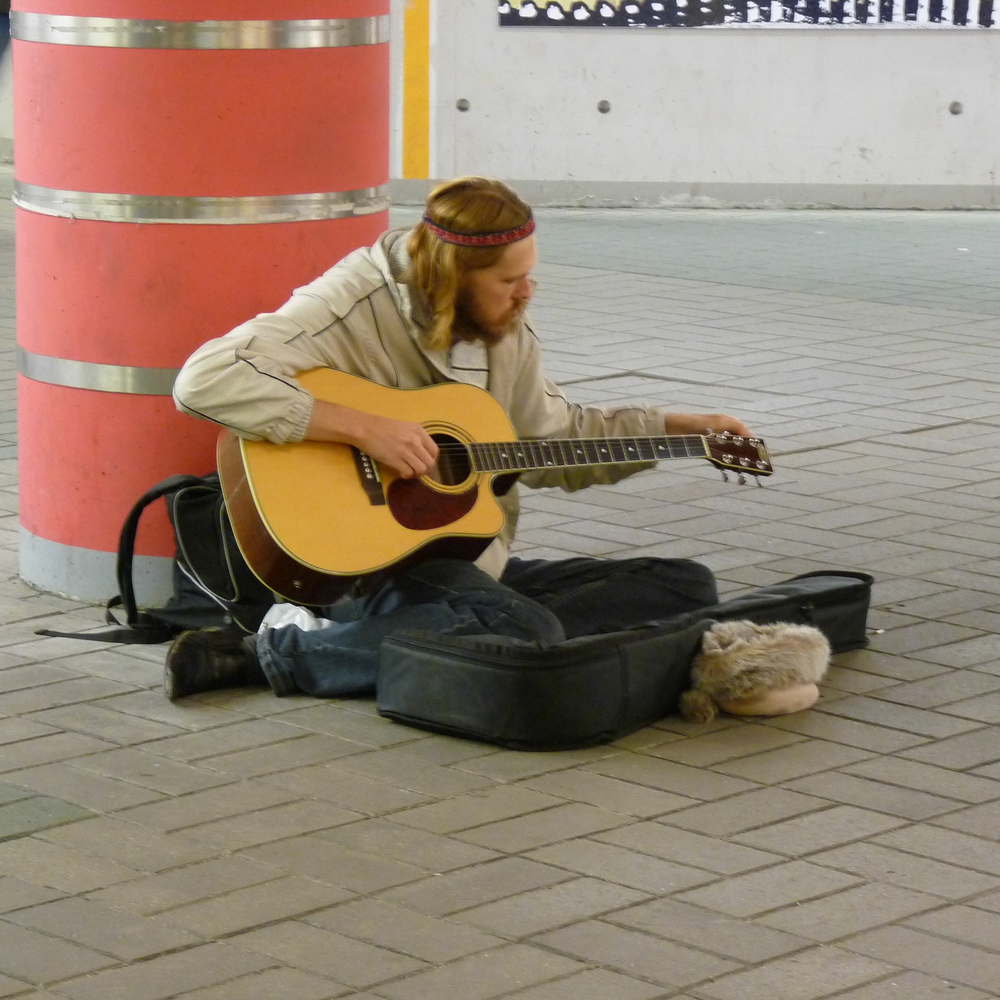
311	518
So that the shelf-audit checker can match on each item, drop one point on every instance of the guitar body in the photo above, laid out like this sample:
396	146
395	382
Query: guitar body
312	517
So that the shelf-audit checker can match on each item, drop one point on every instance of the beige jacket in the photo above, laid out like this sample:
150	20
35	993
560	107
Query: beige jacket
359	318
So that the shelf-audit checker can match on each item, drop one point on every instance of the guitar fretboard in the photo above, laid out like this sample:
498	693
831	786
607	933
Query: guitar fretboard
561	453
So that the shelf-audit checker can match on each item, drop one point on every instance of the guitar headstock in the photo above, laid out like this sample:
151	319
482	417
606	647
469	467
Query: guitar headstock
744	456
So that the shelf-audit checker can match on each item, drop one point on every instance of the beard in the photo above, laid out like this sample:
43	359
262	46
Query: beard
468	326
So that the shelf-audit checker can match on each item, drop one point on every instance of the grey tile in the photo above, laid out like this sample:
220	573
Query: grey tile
474	886
386	839
475	809
876	795
914	986
254	906
883	864
58	867
744	811
688	848
817	831
536	829
927	778
708	930
680	779
188	884
123	935
911	720
967	750
961	923
166	975
485	975
921	952
850	911
978	820
635	953
809	974
425	937
550	907
335	864
326	953
757	892
800	759
31	815
595	984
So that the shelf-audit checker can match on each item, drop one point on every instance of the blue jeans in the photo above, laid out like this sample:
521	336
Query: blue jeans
535	600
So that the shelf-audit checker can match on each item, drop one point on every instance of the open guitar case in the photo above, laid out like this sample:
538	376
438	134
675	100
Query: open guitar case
591	689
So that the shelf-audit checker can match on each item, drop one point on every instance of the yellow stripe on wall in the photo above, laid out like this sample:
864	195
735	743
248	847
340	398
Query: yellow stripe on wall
417	89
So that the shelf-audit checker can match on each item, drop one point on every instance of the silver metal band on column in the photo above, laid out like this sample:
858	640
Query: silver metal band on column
134	33
92	375
250	210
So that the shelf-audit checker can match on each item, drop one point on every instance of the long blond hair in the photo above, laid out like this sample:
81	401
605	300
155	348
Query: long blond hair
465	205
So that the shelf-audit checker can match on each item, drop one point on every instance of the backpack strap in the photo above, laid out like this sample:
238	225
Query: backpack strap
146	631
138	627
126	546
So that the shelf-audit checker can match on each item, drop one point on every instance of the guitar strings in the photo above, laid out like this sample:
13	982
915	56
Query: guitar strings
458	446
501	453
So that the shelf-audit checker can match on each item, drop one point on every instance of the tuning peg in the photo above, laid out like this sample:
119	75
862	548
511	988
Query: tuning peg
741	479
756	479
725	478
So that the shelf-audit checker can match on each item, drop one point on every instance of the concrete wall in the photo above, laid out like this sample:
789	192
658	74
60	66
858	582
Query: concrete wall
762	116
854	117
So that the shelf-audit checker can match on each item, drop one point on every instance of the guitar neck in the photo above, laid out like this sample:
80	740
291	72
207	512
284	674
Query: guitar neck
563	453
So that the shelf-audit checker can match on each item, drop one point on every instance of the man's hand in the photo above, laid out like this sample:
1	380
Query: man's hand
403	446
699	423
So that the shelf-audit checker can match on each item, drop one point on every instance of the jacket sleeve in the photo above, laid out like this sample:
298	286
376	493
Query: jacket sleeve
539	409
246	379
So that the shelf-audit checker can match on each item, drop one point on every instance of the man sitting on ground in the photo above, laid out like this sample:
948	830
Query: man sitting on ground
443	301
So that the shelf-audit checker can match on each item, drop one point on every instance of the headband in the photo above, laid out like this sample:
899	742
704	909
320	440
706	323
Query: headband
481	239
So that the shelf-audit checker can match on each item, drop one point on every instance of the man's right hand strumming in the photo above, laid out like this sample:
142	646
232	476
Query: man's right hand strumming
400	444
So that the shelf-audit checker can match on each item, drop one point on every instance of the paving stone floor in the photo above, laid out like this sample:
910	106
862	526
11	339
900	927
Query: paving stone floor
235	846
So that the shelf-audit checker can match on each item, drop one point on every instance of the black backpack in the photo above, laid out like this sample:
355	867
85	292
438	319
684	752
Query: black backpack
213	586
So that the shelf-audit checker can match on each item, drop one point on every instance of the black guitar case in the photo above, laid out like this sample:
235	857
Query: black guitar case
588	690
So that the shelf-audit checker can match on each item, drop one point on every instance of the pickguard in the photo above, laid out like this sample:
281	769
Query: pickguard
418	506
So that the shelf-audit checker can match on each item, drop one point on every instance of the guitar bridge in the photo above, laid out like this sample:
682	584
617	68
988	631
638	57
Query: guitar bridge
371	481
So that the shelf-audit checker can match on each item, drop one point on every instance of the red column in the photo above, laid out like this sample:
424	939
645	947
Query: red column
173	178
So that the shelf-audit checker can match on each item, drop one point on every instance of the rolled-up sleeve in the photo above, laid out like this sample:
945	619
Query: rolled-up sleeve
246	379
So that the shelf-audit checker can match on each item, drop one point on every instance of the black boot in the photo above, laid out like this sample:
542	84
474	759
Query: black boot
206	660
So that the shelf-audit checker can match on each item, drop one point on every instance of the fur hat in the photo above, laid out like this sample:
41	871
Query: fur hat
742	664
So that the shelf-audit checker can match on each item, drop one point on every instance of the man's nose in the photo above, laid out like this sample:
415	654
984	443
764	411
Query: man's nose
526	288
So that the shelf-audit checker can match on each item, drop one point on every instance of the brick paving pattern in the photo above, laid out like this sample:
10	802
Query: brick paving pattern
236	846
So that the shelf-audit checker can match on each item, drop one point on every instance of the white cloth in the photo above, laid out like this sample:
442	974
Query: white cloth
283	615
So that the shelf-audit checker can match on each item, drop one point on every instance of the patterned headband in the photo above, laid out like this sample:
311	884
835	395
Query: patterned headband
481	239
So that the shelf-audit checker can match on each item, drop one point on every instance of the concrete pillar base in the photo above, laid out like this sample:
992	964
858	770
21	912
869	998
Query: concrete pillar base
88	575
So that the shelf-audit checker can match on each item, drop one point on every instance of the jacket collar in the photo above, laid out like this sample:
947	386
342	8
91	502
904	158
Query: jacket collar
391	257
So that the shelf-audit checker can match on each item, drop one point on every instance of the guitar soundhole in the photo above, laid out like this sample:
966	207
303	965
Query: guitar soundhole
453	464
